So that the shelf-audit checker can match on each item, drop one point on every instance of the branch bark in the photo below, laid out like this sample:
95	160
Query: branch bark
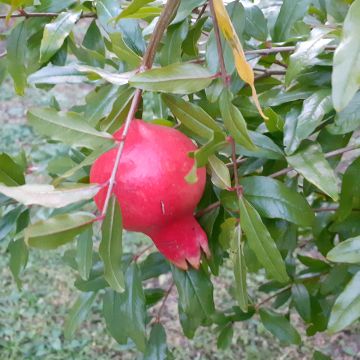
148	59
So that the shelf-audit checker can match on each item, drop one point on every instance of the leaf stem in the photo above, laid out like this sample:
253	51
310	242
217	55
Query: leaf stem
224	75
167	294
25	14
148	59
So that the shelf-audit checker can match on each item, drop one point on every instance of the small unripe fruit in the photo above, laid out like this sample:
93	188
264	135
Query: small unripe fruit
154	197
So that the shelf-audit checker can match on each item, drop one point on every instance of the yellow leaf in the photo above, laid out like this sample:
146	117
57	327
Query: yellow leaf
242	66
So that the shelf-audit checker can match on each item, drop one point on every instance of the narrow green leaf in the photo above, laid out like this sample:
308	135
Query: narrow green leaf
48	196
78	313
280	327
52	74
347	306
84	253
225	336
301	300
127	309
350	191
347	251
346	68
183	78
239	268
195	298
171	51
56	32
110	249
58	230
8	221
11	174
220	175
185	9
310	162
93	39
16	55
154	266
255	22
275	200
19	255
306	53
132	8
192	116
156	348
234	121
313	111
190	44
70	128
123	51
290	12
261	243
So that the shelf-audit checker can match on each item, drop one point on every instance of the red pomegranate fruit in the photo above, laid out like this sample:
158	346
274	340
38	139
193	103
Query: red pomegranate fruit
154	197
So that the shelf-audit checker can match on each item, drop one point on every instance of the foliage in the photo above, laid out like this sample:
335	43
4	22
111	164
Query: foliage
300	230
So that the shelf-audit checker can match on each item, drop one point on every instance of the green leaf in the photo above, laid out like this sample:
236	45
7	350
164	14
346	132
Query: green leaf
195	298
220	175
347	306
16	56
275	122
171	51
301	300
156	348
192	116
255	22
99	103
183	78
8	221
234	121
310	162
11	174
84	253
129	29
19	255
348	119
70	128
93	39
48	196
78	313
225	336
119	47
185	9
347	251
154	266
280	327
313	111
190	45
346	68
110	249
52	74
94	73
132	8
56	32
261	243
275	200
127	309
58	230
350	191
239	268
290	12
306	53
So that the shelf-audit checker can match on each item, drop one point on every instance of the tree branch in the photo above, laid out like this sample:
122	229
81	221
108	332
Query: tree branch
167	294
148	59
279	49
44	14
219	47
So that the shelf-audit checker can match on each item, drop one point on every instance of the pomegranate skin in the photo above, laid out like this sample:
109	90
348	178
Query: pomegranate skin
154	197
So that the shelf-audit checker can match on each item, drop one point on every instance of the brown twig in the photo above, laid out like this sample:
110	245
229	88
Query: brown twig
201	13
238	188
279	49
43	14
164	19
206	210
257	306
167	294
268	73
224	75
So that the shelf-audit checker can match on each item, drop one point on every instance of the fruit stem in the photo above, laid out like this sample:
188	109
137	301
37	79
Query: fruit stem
148	59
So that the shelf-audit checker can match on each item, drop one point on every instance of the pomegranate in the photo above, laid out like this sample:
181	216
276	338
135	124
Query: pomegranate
154	197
